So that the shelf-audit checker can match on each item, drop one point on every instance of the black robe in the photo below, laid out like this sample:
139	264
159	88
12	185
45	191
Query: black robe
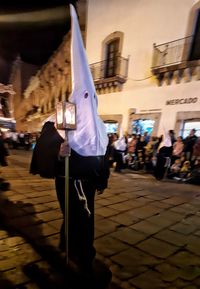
45	153
47	163
86	174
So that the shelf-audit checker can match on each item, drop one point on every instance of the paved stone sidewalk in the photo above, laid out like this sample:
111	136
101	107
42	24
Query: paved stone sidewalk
147	232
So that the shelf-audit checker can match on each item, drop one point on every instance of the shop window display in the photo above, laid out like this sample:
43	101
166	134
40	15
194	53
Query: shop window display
188	126
111	127
140	126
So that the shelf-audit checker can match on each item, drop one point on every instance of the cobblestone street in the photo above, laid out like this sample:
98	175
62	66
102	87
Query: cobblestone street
146	231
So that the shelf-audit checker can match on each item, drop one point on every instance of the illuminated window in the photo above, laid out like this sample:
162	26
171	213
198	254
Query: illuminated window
188	126
140	126
111	127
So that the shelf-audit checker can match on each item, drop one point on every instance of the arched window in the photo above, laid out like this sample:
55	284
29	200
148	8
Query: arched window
112	58
111	52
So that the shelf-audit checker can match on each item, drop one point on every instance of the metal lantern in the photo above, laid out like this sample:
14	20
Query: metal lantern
66	115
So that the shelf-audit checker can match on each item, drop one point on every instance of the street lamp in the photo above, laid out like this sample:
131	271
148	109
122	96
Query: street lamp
66	120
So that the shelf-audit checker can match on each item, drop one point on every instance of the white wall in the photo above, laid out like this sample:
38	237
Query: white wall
150	99
143	23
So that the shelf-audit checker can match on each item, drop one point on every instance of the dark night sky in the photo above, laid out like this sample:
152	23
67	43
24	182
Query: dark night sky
31	30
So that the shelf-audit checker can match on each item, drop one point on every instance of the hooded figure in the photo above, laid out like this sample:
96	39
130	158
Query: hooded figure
164	156
88	166
45	154
88	163
86	176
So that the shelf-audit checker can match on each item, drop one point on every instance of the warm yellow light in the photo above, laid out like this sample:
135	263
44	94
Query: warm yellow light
65	115
59	113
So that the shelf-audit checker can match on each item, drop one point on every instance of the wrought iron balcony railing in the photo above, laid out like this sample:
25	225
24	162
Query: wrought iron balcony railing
170	53
116	67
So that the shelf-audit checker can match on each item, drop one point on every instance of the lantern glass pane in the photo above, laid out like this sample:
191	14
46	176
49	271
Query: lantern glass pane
70	114
59	114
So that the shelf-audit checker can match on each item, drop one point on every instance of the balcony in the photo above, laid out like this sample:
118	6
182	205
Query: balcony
171	60
109	75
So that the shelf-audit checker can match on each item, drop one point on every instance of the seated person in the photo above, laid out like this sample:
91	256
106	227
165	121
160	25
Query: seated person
185	169
175	169
194	176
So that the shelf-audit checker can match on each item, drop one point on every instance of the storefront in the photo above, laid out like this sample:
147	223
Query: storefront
140	126
147	122
189	125
112	122
187	120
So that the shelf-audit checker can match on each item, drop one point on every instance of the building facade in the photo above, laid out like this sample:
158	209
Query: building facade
145	61
47	86
50	85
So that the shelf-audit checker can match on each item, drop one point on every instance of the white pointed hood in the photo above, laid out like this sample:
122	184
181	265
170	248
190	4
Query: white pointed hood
166	141
90	137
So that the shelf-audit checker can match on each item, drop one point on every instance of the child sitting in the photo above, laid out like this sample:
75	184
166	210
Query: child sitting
175	169
185	170
194	176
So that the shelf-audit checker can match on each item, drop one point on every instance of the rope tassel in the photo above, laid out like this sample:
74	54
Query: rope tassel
81	195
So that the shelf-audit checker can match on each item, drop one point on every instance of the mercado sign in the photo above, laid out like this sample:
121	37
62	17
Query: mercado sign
188	100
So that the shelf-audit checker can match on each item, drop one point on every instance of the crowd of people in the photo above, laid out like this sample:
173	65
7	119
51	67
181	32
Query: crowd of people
137	152
14	140
20	139
164	156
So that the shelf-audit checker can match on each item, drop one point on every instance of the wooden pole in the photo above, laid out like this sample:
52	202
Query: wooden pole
67	199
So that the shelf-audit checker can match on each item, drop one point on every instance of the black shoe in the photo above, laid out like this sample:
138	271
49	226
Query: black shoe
100	276
89	276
